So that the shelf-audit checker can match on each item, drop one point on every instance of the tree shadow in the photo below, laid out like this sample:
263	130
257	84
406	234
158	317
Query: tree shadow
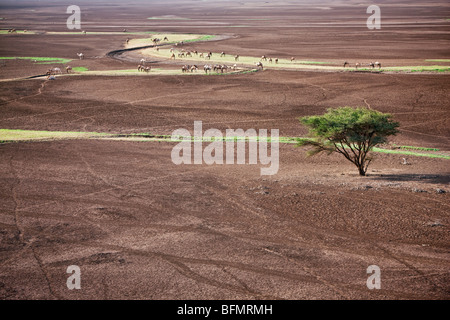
425	178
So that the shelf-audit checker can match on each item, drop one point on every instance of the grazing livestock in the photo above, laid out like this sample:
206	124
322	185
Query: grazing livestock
207	68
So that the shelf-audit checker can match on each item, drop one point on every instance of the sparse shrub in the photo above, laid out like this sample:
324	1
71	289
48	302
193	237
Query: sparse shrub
352	132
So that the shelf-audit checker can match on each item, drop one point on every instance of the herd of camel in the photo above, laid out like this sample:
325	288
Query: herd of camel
207	56
358	65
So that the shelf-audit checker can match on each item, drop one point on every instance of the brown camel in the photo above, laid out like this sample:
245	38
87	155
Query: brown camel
292	59
260	65
68	69
222	54
172	56
346	64
236	57
207	68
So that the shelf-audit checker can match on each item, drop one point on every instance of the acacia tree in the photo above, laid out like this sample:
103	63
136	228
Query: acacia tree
352	132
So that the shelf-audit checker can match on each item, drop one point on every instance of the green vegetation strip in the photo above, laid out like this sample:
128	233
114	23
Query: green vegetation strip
438	60
409	69
80	69
10	135
39	60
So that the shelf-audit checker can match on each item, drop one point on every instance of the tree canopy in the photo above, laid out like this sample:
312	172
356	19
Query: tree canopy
352	132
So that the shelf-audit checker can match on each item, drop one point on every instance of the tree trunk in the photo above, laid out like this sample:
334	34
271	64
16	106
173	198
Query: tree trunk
362	172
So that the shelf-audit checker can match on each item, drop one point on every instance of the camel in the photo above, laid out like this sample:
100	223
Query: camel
194	68
68	69
124	30
184	68
377	64
260	65
218	67
292	59
276	60
83	32
12	31
188	54
128	40
140	67
222	54
147	69
80	55
208	56
223	67
166	39
201	55
195	52
172	56
357	65
207	68
181	55
346	64
54	71
270	60
142	61
236	57
264	58
171	50
234	67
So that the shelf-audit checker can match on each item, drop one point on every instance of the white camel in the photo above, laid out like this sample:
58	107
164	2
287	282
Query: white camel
80	55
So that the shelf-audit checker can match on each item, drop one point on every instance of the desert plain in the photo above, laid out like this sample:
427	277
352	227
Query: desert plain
85	182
